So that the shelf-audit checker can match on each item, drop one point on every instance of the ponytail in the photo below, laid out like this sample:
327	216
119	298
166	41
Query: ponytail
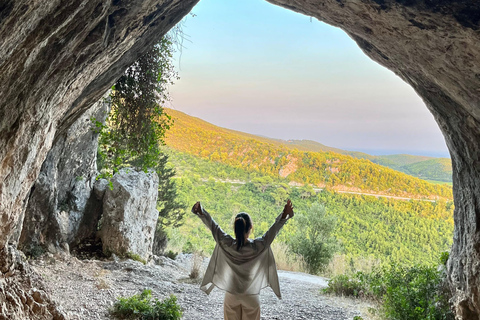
243	224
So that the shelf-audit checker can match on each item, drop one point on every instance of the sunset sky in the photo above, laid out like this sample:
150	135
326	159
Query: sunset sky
254	67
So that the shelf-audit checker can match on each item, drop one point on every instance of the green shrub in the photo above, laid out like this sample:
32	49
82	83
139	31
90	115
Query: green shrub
444	257
135	257
415	293
406	293
143	307
344	285
314	241
172	255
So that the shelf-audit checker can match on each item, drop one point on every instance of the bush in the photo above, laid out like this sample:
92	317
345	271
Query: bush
343	285
415	293
172	255
406	293
197	260
143	307
314	241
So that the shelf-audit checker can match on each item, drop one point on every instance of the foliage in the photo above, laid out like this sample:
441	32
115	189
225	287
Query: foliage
382	229
406	293
415	293
136	257
444	257
172	255
314	241
136	126
439	169
343	285
170	209
143	307
137	123
269	157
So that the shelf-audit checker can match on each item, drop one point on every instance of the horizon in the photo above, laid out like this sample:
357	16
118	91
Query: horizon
373	151
254	67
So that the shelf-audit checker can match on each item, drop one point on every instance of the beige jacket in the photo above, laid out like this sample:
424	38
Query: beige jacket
246	271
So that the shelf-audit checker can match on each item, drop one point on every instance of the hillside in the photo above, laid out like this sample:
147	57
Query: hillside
439	169
276	158
422	167
370	229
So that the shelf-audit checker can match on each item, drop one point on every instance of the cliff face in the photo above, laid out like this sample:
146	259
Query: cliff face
60	209
58	57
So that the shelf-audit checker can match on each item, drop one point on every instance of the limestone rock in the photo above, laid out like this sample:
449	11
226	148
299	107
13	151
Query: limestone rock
130	214
99	188
22	295
57	58
61	195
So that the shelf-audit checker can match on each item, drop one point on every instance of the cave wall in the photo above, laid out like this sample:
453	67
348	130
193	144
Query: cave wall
56	59
435	47
61	198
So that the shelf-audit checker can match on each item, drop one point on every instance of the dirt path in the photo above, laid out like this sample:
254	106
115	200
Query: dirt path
341	191
86	289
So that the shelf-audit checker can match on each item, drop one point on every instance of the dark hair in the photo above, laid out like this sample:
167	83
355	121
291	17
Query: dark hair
243	223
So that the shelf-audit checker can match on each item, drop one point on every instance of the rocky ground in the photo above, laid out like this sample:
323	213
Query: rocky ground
86	289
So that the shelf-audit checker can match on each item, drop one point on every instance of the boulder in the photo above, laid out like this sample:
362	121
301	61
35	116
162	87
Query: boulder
22	295
130	214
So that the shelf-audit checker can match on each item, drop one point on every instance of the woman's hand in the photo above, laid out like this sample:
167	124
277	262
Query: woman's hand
197	209
288	210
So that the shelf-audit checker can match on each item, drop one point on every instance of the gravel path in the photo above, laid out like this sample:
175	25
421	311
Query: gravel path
86	289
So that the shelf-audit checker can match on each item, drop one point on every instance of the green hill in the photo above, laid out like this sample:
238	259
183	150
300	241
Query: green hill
294	161
423	167
439	169
369	228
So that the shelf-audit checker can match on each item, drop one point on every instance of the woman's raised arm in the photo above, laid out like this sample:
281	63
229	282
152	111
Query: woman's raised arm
287	213
217	232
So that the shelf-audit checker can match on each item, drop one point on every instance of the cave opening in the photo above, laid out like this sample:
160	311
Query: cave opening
433	47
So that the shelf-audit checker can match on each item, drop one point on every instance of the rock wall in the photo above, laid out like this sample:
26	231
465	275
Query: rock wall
62	193
435	47
130	214
57	58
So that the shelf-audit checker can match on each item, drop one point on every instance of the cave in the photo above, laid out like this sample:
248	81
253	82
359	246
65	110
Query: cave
58	57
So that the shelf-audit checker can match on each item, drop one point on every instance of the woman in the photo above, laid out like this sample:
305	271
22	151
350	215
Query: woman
241	266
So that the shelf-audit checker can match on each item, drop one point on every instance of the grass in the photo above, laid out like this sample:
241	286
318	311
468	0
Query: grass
196	265
136	257
285	259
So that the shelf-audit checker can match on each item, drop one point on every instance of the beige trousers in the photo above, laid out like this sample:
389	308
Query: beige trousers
241	306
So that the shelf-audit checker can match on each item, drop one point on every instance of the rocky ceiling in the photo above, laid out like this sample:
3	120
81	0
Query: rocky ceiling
58	57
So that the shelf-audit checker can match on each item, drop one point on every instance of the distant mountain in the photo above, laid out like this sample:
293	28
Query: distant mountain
299	161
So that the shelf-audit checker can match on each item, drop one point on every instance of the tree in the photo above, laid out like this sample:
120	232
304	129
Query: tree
136	126
313	239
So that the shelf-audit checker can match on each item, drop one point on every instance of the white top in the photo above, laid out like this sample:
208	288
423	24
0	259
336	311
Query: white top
246	271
